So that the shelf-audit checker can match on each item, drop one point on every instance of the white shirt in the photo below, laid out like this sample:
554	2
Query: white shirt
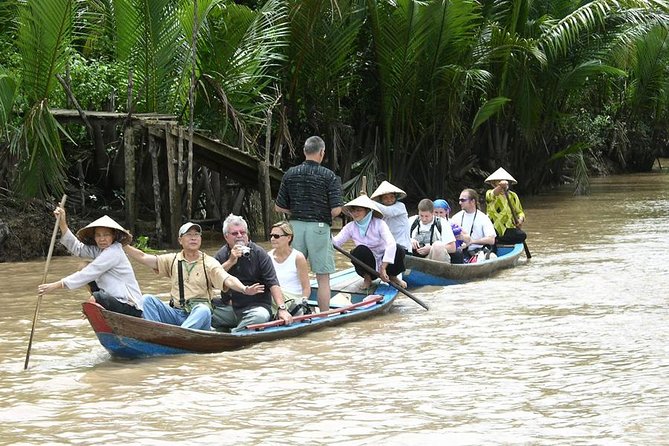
477	225
110	269
396	217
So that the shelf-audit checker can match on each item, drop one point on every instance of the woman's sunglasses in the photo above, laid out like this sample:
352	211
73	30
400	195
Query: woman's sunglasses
276	236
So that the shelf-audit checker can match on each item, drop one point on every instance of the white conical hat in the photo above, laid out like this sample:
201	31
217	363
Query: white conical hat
388	188
363	201
87	234
499	175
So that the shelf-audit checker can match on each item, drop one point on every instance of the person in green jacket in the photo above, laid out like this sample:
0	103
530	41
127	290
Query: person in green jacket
504	209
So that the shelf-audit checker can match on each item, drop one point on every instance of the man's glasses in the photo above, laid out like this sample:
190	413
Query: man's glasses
277	236
237	233
462	200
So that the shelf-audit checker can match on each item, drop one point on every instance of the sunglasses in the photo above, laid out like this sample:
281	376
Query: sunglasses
237	233
277	236
462	200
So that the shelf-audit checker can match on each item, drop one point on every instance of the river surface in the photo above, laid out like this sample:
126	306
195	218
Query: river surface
569	348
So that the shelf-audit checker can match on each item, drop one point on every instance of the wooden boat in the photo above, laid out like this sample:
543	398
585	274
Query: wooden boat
132	337
423	272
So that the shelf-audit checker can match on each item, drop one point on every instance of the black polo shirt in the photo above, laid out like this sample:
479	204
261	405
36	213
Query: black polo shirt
310	191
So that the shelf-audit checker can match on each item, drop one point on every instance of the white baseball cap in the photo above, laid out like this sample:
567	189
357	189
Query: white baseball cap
186	226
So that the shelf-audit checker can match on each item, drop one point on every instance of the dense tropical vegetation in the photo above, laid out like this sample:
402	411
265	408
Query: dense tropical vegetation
428	94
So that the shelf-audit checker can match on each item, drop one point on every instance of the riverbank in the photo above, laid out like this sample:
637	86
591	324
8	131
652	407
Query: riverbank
26	227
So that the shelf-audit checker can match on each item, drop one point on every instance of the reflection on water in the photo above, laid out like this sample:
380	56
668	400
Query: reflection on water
569	348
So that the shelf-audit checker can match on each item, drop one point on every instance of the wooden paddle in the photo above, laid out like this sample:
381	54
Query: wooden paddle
46	270
375	274
515	221
306	317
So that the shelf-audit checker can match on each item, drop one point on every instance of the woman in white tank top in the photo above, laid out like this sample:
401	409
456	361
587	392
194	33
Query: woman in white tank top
290	264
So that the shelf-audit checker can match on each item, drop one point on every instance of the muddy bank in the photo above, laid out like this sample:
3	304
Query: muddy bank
26	228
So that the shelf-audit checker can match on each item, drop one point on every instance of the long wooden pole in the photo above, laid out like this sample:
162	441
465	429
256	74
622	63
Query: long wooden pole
46	270
375	274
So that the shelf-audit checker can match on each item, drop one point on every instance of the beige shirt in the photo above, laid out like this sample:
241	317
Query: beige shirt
196	283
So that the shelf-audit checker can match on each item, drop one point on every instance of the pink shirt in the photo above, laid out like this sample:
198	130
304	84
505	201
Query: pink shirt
378	239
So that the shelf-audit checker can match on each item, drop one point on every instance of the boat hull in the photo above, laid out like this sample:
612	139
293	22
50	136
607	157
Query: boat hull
131	337
426	272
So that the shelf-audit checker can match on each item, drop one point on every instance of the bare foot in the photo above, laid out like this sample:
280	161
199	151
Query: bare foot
397	281
367	282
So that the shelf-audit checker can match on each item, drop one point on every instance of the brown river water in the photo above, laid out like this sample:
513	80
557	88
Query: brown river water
569	348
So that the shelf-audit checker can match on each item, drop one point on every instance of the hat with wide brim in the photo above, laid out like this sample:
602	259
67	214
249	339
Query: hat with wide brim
388	188
499	175
87	234
363	201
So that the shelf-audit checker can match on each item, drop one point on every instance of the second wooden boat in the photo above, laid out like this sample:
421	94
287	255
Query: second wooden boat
424	272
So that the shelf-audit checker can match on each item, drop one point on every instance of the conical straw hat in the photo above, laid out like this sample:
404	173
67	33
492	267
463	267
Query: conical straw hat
87	234
388	188
363	201
499	175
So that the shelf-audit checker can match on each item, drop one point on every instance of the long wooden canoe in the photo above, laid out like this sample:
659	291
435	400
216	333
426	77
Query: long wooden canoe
423	272
132	337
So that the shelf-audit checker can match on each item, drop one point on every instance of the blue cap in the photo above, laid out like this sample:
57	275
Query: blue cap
441	203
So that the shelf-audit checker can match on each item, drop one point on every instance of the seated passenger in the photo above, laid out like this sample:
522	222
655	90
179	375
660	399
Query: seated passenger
477	229
116	286
394	212
429	238
291	269
443	210
504	209
193	277
251	264
374	243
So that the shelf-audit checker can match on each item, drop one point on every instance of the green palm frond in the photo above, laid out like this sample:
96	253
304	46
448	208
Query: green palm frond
150	40
322	47
650	80
44	36
7	96
488	109
242	51
38	148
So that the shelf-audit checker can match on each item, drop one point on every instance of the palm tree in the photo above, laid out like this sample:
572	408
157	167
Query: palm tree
45	32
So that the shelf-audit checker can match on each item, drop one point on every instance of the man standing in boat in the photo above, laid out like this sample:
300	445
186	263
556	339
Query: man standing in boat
311	195
194	275
251	264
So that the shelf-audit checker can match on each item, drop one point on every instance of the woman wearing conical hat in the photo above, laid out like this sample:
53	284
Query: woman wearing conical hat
504	209
375	245
102	242
394	212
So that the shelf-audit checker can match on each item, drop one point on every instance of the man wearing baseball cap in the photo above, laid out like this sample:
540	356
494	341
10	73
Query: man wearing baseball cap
194	275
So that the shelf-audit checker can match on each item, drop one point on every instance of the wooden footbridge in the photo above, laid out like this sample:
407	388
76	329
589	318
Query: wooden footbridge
162	131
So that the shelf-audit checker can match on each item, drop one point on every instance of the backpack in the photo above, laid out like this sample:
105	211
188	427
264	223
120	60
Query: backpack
435	223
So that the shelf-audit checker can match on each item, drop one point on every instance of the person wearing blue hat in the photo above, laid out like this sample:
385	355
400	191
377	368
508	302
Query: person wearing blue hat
443	211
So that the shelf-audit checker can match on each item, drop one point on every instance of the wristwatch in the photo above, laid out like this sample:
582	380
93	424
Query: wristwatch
282	307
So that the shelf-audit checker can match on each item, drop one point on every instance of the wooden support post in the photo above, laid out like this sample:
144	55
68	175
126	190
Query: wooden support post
130	178
153	151
265	196
264	180
174	189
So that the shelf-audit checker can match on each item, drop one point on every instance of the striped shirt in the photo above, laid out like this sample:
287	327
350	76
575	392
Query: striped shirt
310	191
